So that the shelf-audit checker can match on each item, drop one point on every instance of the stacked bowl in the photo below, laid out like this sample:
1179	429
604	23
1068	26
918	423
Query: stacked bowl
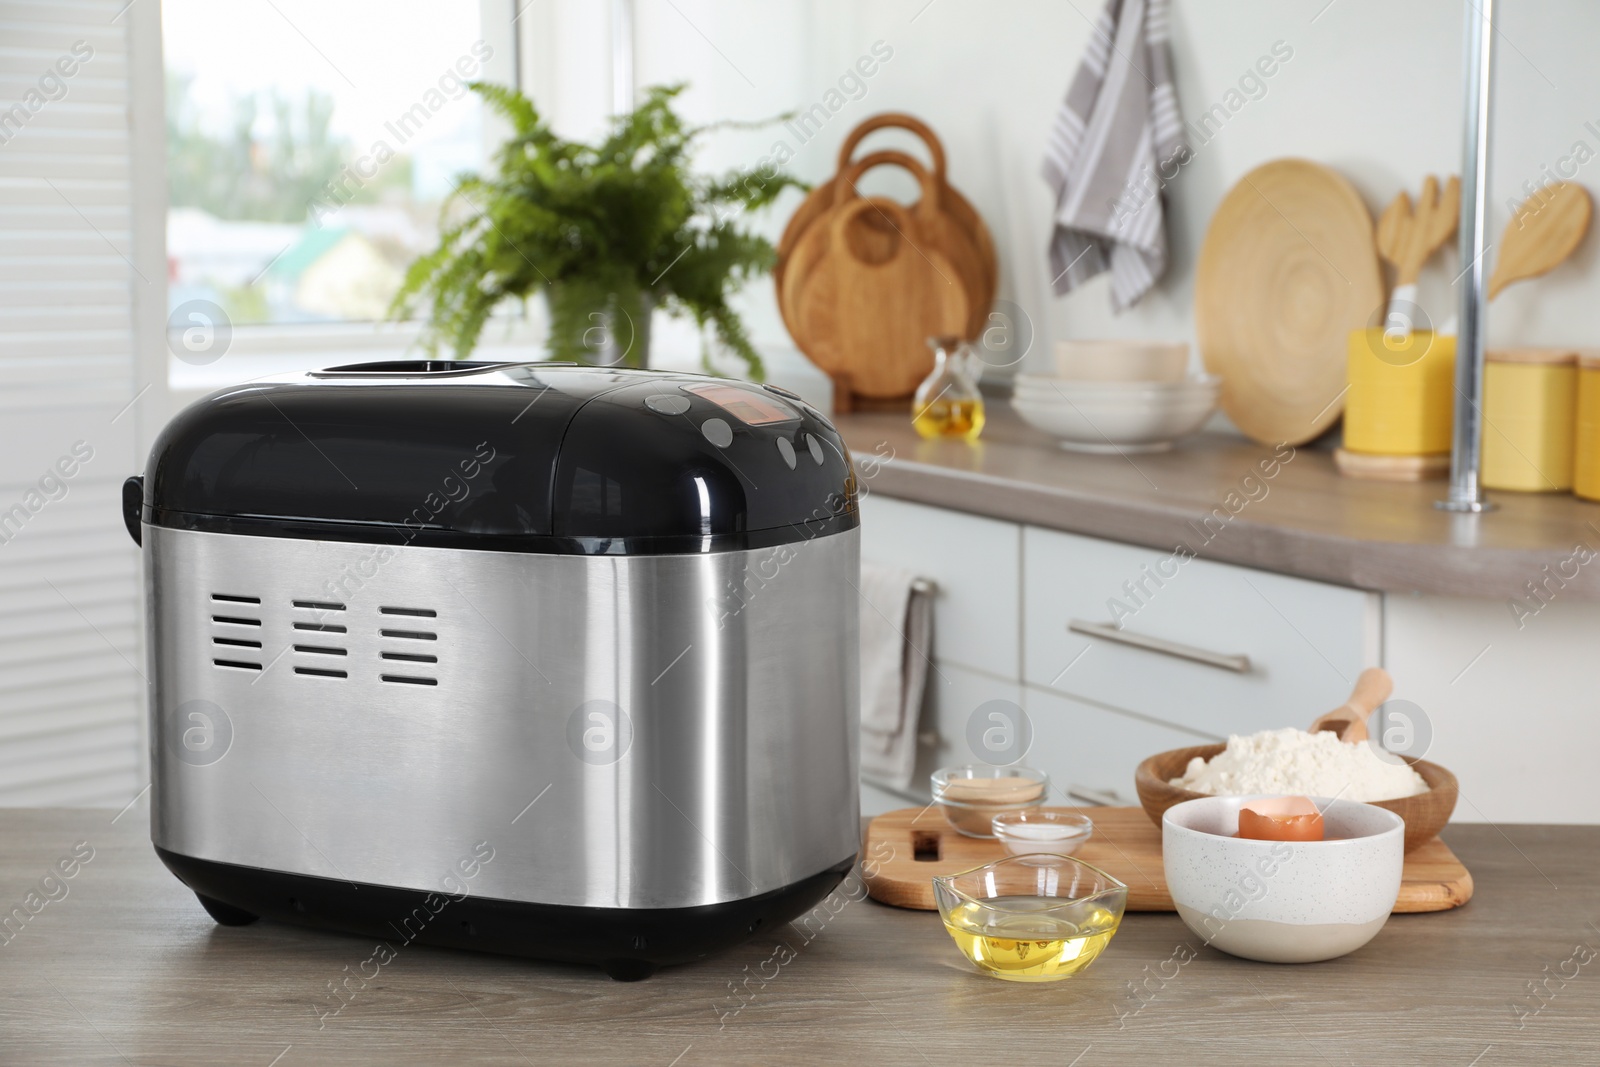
1117	396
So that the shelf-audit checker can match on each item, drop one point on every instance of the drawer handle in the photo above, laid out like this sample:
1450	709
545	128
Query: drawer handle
1237	664
1104	799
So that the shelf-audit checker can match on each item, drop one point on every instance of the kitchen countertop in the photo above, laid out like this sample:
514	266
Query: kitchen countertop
1306	520
125	969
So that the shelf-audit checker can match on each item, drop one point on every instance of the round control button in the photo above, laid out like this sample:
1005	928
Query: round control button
718	432
786	450
816	448
667	404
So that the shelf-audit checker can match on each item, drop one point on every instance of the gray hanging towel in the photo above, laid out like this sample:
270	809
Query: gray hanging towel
896	641
1119	121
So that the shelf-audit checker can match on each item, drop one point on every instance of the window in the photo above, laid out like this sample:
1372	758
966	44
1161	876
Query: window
309	148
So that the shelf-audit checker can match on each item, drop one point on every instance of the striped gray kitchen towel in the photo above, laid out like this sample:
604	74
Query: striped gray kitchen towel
1117	136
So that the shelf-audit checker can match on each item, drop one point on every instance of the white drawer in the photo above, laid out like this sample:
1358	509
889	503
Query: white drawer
1305	641
1089	748
977	565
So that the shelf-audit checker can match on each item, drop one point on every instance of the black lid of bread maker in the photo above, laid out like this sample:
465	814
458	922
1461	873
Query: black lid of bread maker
531	457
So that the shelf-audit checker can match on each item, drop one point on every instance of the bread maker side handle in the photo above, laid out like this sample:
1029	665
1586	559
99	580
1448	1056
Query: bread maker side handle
132	504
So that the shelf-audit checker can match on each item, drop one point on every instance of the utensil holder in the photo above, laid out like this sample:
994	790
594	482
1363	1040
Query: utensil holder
1399	403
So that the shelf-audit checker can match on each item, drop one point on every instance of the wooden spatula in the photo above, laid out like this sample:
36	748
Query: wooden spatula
1542	233
1349	720
1408	236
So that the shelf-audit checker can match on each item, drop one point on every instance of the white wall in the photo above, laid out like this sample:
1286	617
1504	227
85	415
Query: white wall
1373	89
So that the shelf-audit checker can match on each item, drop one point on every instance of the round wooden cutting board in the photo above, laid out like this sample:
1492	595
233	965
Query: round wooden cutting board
1288	268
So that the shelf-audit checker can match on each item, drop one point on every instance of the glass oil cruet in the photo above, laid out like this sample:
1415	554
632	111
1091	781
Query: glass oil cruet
948	403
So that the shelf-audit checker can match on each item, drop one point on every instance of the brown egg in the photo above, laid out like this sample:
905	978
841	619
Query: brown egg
1281	819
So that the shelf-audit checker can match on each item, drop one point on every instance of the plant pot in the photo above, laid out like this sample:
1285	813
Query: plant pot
599	324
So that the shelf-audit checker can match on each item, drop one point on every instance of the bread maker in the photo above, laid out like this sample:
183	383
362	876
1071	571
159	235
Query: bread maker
538	659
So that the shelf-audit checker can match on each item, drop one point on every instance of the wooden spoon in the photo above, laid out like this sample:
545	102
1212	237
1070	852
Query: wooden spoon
1541	234
1349	720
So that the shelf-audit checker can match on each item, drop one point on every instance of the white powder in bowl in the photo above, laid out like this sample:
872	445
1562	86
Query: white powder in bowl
1299	763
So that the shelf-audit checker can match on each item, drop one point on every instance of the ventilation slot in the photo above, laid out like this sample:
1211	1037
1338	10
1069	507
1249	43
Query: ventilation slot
318	605
420	661
406	680
321	650
410	635
235	642
318	672
320	627
225	648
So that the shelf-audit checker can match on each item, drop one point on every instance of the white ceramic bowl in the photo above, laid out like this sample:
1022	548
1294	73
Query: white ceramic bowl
1084	424
1283	902
1118	360
1187	381
1045	387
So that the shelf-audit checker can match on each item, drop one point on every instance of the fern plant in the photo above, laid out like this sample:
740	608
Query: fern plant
606	231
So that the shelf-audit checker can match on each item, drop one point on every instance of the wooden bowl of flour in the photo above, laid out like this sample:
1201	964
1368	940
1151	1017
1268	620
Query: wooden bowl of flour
1425	814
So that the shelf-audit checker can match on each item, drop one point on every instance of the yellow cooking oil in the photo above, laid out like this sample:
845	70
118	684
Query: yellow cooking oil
1031	939
947	417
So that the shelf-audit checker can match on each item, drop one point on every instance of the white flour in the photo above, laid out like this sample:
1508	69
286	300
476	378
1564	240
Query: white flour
1299	763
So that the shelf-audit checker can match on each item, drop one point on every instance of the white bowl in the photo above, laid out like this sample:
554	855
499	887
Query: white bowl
1277	901
1091	425
1034	385
1119	360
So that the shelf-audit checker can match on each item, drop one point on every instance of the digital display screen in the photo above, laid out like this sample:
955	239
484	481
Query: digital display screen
752	409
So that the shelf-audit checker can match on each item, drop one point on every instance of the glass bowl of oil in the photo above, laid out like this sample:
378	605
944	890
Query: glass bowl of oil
1033	918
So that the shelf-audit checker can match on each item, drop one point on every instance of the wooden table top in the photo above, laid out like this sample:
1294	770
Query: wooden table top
125	969
1304	520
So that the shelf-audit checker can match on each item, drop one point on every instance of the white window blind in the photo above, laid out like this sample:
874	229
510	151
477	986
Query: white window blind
71	680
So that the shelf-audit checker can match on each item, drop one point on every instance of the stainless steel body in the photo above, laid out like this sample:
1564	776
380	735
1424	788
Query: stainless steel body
624	731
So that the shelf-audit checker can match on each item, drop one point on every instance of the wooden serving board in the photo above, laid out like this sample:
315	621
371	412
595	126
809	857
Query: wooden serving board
1287	270
906	848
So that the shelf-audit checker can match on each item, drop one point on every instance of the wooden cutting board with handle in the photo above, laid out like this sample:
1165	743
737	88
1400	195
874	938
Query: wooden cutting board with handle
866	317
905	849
951	221
876	240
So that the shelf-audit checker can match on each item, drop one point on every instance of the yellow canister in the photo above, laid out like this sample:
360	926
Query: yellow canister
1586	444
1399	403
1529	418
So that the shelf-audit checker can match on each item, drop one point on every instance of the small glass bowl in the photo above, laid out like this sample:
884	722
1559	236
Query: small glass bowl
1033	918
1053	833
970	805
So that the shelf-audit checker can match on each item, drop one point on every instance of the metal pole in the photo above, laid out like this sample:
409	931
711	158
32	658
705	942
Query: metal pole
1466	449
622	86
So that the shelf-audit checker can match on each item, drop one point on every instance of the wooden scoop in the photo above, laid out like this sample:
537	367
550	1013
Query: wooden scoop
1349	720
1541	235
